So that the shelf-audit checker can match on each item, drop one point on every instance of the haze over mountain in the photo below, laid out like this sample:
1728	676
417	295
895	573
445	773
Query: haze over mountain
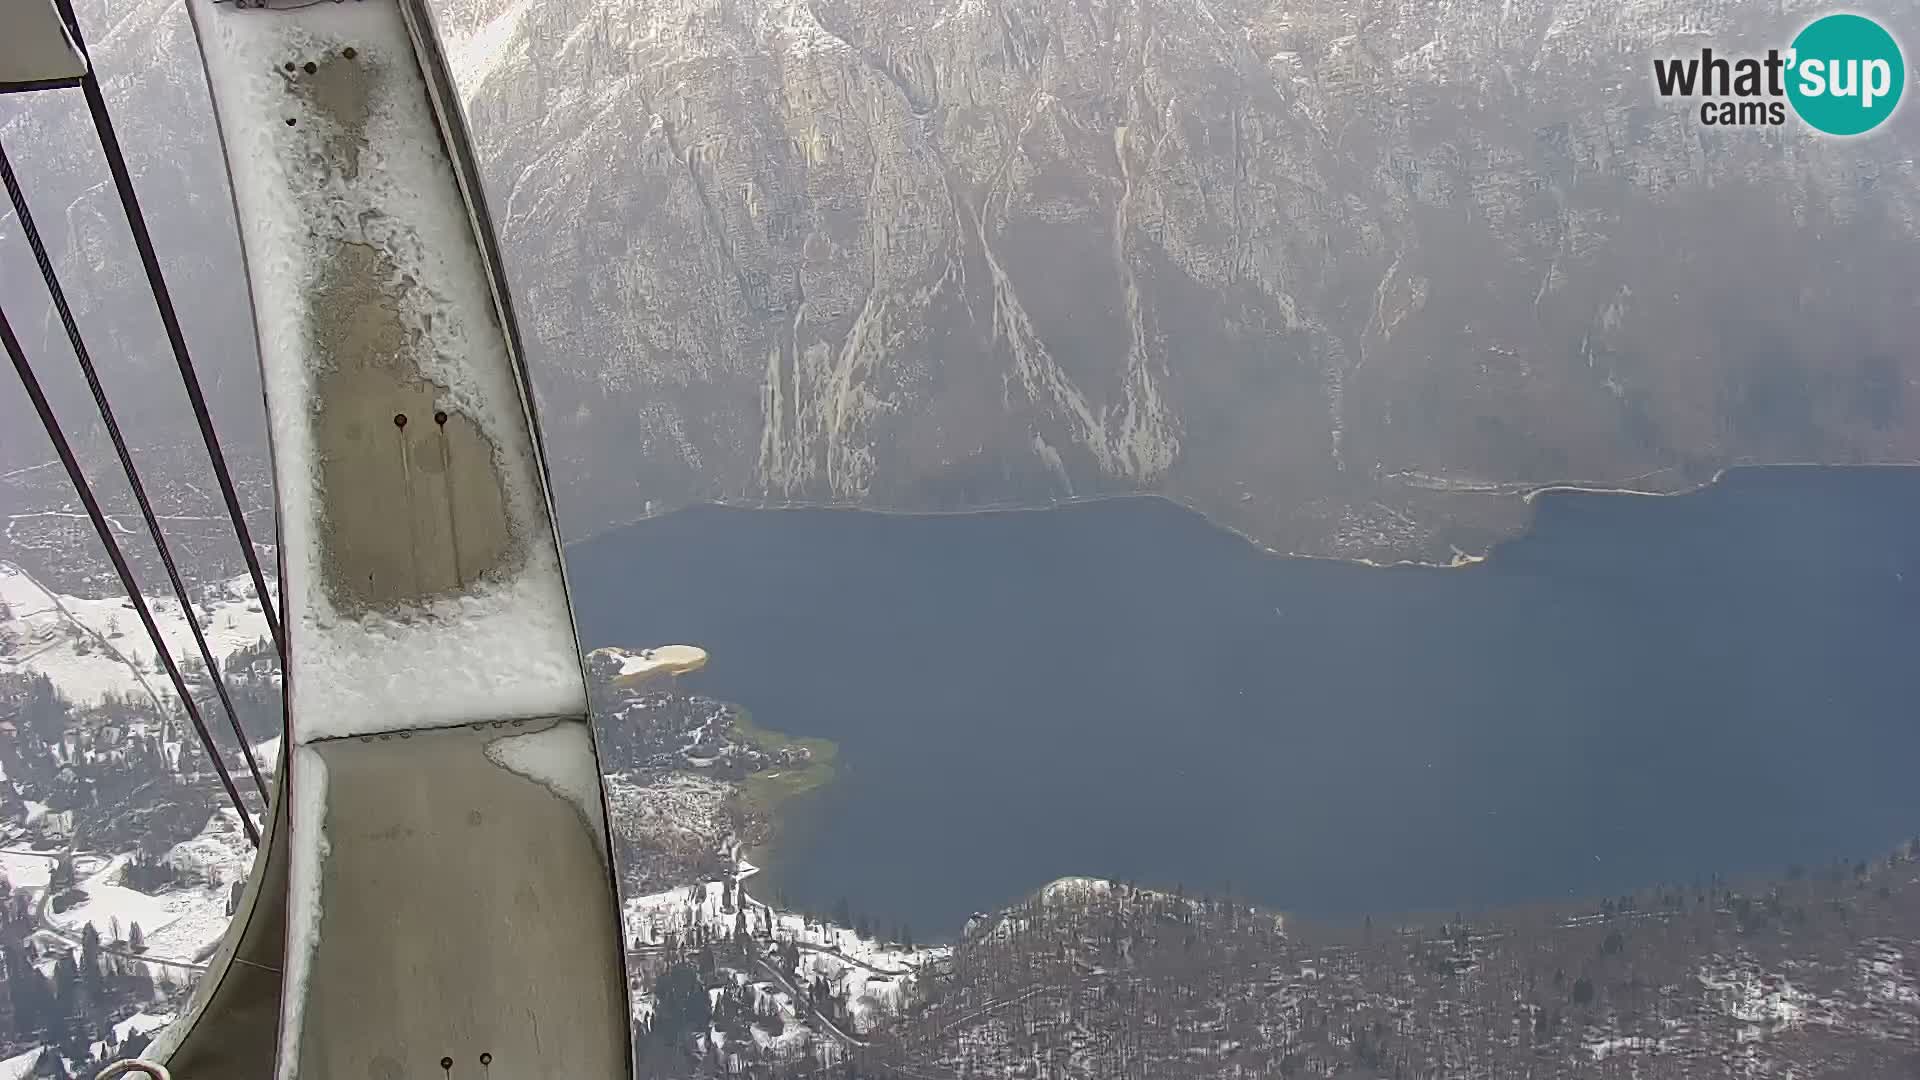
1344	277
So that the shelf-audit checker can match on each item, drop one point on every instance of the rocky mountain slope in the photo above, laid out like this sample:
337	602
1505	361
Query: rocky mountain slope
1346	277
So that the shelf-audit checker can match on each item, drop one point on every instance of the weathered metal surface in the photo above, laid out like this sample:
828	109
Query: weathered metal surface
228	1029
427	513
463	911
423	577
35	50
429	510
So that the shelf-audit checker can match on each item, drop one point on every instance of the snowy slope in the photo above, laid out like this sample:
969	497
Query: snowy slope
108	905
19	1066
180	925
90	648
219	857
25	869
873	976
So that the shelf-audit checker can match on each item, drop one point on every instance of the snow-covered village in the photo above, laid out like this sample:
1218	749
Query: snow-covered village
120	859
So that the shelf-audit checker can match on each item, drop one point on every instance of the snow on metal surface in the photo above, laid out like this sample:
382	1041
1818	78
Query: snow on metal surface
505	653
560	759
305	185
307	855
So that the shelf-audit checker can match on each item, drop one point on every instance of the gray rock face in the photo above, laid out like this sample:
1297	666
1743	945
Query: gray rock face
1344	277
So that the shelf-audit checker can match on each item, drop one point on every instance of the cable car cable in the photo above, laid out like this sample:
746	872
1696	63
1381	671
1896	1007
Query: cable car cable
25	215
150	261
31	384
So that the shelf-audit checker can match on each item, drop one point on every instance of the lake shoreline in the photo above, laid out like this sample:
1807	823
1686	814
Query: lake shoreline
1528	494
767	795
1126	692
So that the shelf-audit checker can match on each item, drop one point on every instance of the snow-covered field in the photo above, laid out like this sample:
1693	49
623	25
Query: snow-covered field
26	869
91	648
20	1066
220	857
181	925
110	905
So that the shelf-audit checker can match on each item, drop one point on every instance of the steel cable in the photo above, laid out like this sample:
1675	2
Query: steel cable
31	384
27	226
150	261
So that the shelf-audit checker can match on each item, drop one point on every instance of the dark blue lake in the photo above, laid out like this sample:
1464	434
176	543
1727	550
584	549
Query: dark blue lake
1638	690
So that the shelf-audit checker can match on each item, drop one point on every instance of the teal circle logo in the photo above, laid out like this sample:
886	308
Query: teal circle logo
1846	74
